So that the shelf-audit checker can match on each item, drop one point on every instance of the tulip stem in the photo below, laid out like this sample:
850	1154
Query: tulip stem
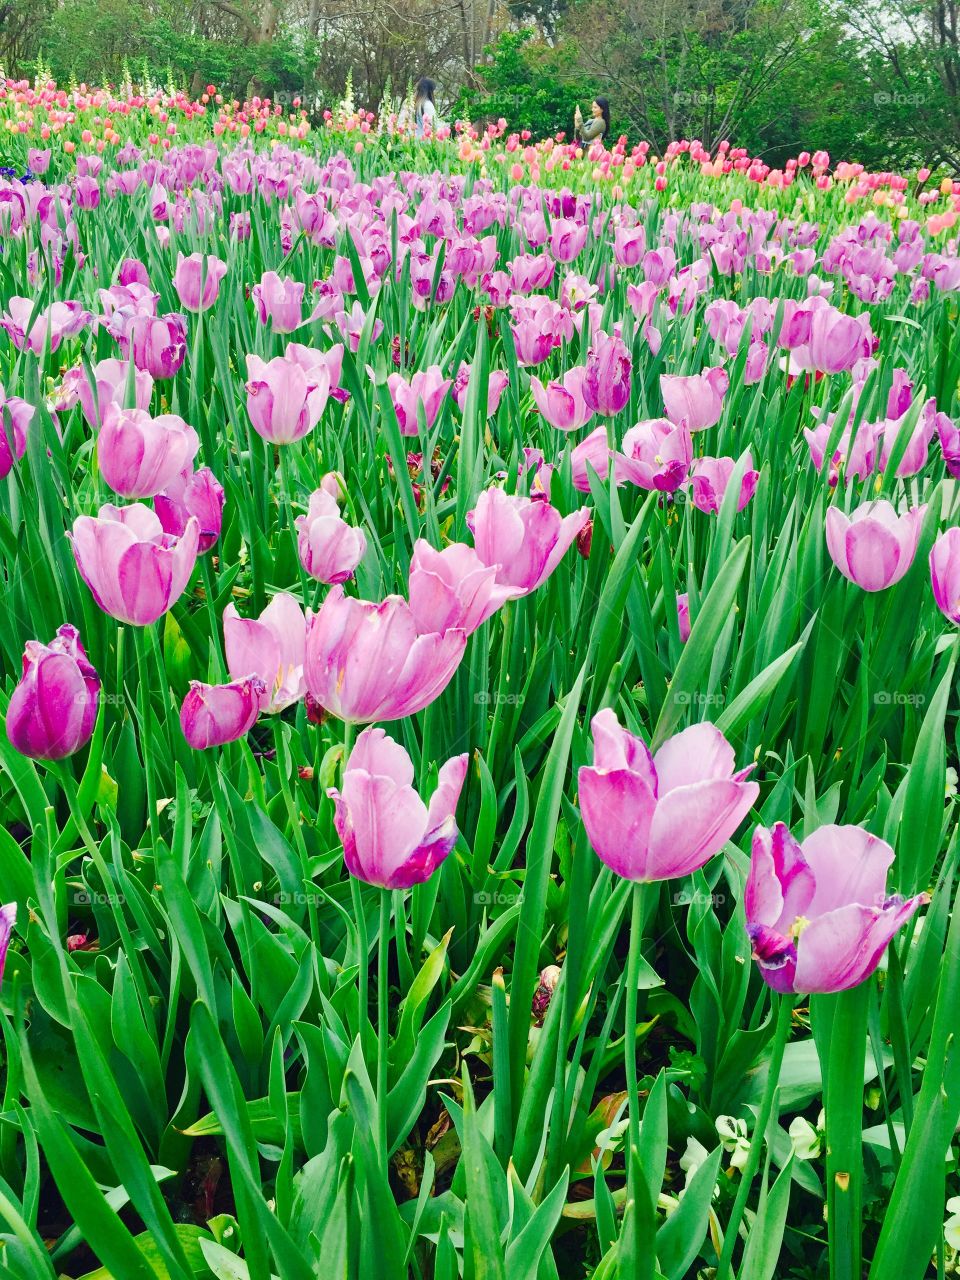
383	1027
784	1012
146	736
210	592
630	1040
843	1073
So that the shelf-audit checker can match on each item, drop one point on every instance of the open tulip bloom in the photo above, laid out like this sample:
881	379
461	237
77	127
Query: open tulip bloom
873	547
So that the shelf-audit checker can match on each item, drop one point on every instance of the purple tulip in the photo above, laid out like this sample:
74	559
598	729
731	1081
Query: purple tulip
53	709
655	455
87	191
709	480
873	547
140	455
539	325
659	817
110	378
132	271
192	493
628	245
271	647
683	615
212	714
945	574
696	400
8	918
561	402
915	455
949	434
367	661
55	322
427	387
15	417
606	383
134	570
390	837
330	549
279	301
525	538
593	451
818	914
856	461
187	280
497	383
452	588
158	343
39	163
285	400
567	239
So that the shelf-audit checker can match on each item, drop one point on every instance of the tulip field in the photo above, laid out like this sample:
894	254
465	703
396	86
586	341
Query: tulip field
479	634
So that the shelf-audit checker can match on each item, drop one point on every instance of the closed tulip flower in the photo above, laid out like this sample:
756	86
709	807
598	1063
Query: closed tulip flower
390	837
15	417
655	455
285	400
709	480
606	384
945	574
696	400
158	344
427	387
110	379
330	549
567	239
367	661
561	401
212	714
197	280
271	647
873	547
818	913
949	434
660	817
525	538
192	493
140	455
279	301
452	588
134	570
53	709
8	918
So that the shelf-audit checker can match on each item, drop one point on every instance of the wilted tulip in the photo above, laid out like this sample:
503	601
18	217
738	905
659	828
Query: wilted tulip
606	383
197	280
285	401
524	538
139	455
15	417
212	714
427	387
452	588
192	493
873	547
158	344
134	570
367	661
818	914
390	837
53	709
561	402
271	647
53	323
330	549
696	400
659	817
709	479
655	455
945	574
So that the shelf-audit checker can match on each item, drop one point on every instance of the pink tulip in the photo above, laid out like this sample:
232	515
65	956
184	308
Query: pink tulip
367	662
284	400
53	323
873	547
655	455
818	914
567	239
915	455
110	379
697	399
188	276
158	343
606	383
192	493
53	709
87	192
659	817
628	245
311	360
132	271
683	616
330	549
539	326
8	918
212	714
525	538
592	452
15	417
949	434
133	569
945	574
561	402
140	455
271	647
452	588
390	837
279	301
427	388
38	160
856	461
710	477
497	383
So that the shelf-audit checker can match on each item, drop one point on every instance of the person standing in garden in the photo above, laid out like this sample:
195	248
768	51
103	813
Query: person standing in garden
425	112
598	124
